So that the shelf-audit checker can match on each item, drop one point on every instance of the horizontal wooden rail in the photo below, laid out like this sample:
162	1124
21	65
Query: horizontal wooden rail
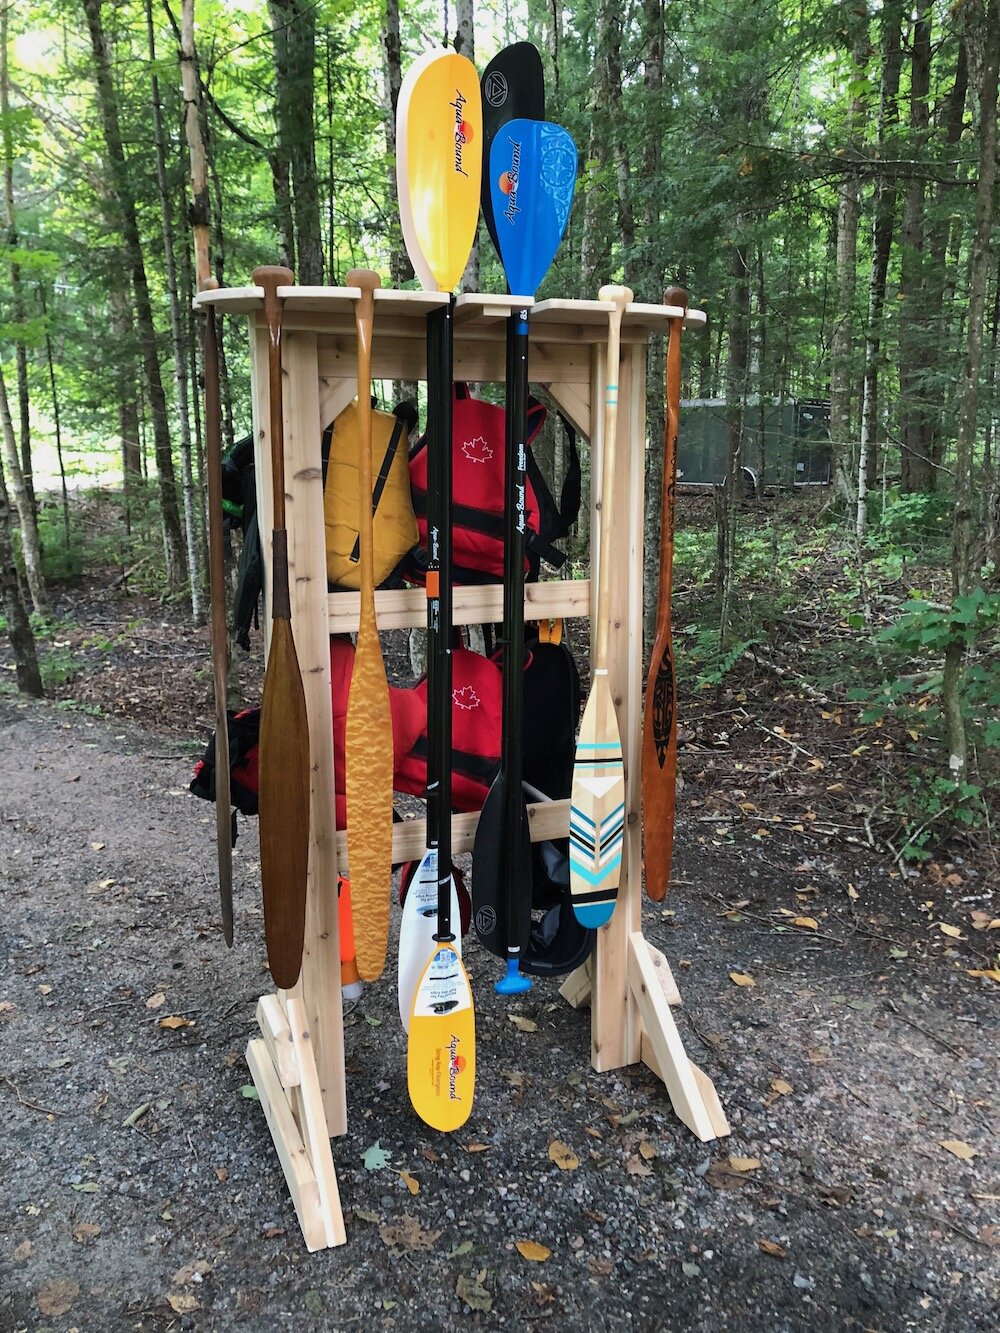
406	608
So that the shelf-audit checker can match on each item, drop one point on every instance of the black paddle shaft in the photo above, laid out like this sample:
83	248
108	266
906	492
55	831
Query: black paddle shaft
515	523
440	329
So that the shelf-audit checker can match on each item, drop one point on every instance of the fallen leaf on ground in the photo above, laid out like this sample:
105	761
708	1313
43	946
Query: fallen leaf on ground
175	1021
780	1086
564	1157
600	1267
952	932
471	1290
376	1158
744	1163
156	1000
411	1182
523	1024
530	1249
959	1148
721	1176
741	979
407	1234
23	1251
57	1296
806	922
545	1292
646	1151
476	1147
773	1248
183	1304
190	1273
991	973
635	1166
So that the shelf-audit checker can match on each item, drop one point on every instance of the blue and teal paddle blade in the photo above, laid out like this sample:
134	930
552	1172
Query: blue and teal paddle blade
533	167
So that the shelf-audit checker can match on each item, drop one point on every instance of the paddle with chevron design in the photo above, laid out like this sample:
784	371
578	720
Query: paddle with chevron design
597	802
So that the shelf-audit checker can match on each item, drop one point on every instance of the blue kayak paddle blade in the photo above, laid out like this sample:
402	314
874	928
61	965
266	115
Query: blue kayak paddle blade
533	166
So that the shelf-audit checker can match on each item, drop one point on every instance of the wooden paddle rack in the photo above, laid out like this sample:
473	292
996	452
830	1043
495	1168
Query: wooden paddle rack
297	1061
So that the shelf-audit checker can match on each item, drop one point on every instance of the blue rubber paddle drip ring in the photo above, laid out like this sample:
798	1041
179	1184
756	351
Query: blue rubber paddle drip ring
513	982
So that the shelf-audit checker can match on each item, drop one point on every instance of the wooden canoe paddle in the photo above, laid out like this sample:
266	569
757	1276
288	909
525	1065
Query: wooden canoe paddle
220	633
659	729
284	724
368	740
597	801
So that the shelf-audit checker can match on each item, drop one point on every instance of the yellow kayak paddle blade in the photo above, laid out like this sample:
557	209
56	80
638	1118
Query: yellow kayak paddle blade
441	1054
439	158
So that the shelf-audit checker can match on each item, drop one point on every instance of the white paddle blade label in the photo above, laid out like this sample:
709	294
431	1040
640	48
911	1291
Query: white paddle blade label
441	1055
416	931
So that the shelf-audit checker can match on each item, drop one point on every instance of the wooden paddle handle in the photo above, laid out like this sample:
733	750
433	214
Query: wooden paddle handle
364	319
673	296
271	277
619	298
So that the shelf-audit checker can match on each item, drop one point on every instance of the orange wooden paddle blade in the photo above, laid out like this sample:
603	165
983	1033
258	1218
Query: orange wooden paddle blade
659	770
284	806
368	782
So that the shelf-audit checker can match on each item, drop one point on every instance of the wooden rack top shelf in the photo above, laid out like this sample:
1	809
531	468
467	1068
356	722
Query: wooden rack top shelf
477	314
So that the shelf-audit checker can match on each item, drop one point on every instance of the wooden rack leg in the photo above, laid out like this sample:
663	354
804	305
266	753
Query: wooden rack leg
283	1068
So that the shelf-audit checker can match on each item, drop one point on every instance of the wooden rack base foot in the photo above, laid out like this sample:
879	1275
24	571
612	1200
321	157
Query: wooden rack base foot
283	1069
653	990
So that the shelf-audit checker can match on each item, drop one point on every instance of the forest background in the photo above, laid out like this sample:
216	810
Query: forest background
821	178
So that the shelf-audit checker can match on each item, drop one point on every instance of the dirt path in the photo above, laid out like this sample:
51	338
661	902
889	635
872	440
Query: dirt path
862	1045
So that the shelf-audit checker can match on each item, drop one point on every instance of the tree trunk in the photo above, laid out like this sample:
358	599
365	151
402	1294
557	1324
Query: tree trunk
170	516
737	370
400	268
465	45
294	65
22	640
916	354
982	33
30	549
883	219
56	419
192	543
17	304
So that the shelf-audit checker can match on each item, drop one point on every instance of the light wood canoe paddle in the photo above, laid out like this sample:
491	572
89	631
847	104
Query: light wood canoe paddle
659	728
220	632
597	801
284	724
368	740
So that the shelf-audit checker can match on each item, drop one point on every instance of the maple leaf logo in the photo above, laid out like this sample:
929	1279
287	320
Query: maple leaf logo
477	450
466	698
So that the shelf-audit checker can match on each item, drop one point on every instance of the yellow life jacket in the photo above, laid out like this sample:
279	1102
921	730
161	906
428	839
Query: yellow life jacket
395	526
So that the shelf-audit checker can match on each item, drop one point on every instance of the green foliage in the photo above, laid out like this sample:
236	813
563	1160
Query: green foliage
914	520
701	659
932	807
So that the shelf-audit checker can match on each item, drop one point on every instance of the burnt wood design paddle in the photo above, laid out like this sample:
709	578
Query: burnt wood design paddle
597	802
659	730
220	632
284	724
368	739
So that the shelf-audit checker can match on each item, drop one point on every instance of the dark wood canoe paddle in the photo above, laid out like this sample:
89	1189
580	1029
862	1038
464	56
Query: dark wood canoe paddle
284	724
659	730
220	634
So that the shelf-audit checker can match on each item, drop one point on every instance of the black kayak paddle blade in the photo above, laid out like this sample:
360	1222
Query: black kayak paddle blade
490	874
513	86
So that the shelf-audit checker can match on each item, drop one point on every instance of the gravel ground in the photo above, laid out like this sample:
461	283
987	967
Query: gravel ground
141	1189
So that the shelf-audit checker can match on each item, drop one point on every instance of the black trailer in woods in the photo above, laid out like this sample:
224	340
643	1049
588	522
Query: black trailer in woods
784	443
